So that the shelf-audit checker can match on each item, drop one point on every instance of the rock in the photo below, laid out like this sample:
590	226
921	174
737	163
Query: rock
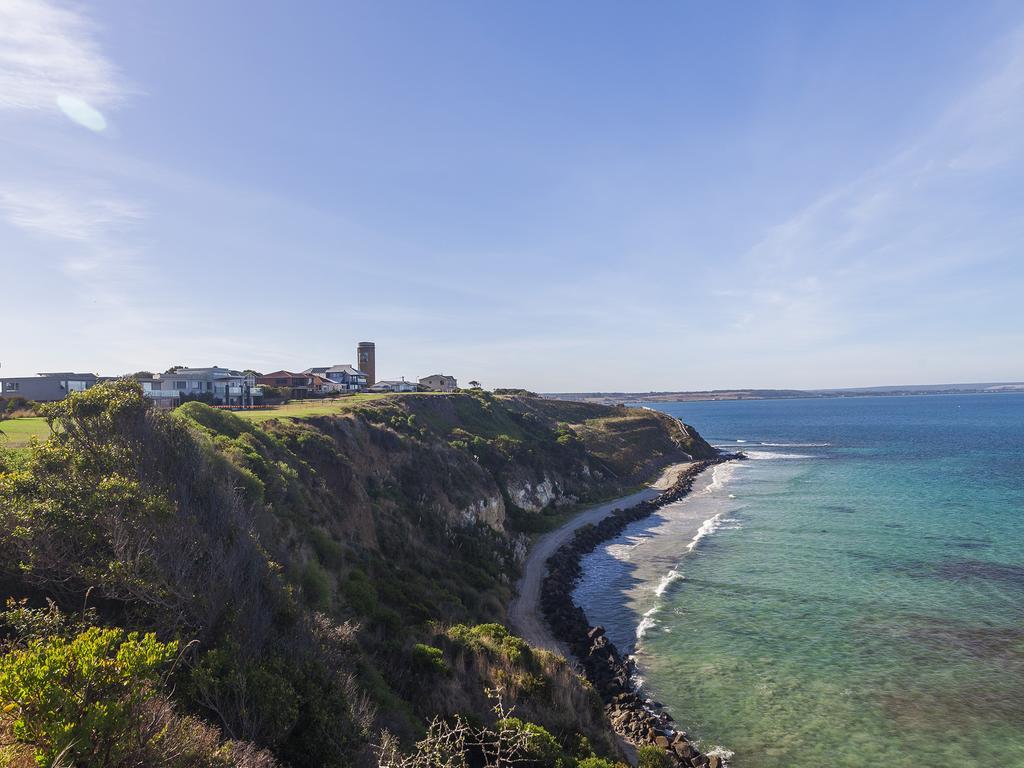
662	742
684	750
714	761
595	632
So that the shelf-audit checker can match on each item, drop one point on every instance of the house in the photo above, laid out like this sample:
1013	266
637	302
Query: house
351	378
438	382
220	386
393	386
300	385
47	387
323	386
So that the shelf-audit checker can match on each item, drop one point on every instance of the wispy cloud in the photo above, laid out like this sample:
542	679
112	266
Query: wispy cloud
51	63
934	207
80	218
50	53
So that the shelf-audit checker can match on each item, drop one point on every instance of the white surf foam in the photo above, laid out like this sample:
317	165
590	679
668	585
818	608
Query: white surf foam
708	527
797	445
647	622
762	455
722	752
670	577
720	475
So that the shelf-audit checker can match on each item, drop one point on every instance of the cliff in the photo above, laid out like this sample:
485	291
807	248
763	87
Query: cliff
327	577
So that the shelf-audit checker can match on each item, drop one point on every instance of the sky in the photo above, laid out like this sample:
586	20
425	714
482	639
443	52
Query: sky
559	196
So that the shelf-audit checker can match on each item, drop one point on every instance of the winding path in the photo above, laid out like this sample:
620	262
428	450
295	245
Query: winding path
524	612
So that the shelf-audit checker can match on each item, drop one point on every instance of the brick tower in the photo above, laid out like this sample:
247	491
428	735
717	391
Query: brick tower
366	361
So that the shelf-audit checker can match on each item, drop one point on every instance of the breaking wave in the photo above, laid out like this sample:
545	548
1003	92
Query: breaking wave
762	455
669	578
797	445
647	622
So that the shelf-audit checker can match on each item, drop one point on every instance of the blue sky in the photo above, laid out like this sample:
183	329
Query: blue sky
561	196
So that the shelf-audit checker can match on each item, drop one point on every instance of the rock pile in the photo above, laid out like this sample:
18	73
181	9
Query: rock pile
640	722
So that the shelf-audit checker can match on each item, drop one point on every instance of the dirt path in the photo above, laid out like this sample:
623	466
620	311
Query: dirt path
524	612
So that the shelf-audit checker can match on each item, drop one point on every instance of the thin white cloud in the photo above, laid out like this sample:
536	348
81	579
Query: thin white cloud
82	218
50	60
930	209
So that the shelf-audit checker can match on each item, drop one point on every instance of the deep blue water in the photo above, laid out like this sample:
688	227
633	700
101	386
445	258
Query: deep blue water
856	595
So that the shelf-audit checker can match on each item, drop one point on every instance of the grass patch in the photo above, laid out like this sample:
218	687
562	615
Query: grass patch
300	409
17	433
305	408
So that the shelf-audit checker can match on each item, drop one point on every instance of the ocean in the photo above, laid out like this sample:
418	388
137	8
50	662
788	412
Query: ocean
851	594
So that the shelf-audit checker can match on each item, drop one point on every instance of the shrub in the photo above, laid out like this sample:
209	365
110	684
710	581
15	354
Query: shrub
539	747
83	697
653	757
360	593
316	585
330	552
427	658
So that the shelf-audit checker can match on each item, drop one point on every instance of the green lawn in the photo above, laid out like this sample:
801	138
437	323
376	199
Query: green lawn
302	408
16	433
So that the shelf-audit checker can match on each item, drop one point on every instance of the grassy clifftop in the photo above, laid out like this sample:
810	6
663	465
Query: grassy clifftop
311	584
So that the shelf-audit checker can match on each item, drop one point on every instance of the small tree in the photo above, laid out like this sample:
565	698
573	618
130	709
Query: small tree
474	385
84	698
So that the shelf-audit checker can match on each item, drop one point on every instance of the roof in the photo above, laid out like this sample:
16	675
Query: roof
438	376
67	373
282	374
202	373
350	370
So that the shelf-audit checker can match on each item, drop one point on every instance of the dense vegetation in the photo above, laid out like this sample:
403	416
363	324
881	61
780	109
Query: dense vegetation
193	589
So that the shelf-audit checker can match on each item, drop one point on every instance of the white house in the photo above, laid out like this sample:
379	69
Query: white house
438	382
221	385
394	386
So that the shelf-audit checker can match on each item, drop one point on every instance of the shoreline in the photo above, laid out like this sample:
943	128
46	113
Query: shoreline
524	613
612	674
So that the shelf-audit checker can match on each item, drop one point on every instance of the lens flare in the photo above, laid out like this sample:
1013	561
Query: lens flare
82	112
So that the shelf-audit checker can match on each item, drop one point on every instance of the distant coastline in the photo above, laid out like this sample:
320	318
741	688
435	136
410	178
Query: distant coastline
788	394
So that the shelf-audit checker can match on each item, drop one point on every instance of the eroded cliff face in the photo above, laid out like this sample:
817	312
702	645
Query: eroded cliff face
475	459
326	563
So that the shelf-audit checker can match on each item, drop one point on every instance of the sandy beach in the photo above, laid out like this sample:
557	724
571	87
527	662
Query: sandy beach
524	612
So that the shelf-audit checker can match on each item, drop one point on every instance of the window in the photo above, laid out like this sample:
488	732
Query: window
11	386
179	384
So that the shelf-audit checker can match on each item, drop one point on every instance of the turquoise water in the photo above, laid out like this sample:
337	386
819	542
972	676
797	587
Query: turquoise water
856	594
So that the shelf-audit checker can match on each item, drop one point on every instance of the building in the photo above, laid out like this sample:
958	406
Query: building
300	385
324	386
351	379
219	386
366	359
393	386
47	387
438	382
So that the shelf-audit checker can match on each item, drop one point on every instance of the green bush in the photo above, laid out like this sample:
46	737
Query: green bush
316	585
330	552
598	762
542	749
494	638
653	757
427	658
84	696
360	593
